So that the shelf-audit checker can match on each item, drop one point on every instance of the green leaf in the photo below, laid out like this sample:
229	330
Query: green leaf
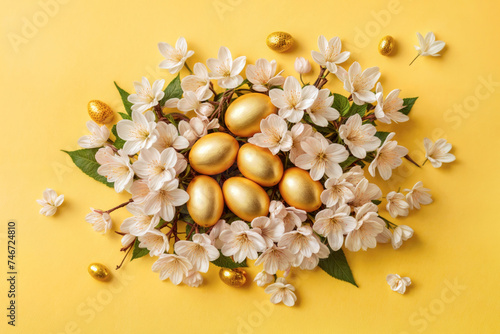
227	262
173	90
336	266
356	109
124	95
341	103
85	160
349	161
118	141
382	135
408	104
138	251
125	116
376	202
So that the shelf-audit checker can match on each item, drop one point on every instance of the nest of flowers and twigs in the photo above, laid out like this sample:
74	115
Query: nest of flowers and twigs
269	168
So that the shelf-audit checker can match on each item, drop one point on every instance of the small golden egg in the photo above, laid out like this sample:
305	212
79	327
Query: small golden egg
213	153
386	45
259	165
233	277
300	190
99	272
206	202
280	41
245	113
245	198
100	112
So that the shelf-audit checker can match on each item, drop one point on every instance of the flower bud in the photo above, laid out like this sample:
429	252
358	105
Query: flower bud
302	65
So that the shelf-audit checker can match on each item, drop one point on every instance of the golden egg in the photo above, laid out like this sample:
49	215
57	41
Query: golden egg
299	190
99	272
206	202
245	198
213	153
386	45
244	115
259	165
280	41
100	112
233	277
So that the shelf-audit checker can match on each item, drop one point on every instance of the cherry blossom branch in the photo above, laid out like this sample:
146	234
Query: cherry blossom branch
112	146
407	157
119	206
159	113
320	76
225	97
126	254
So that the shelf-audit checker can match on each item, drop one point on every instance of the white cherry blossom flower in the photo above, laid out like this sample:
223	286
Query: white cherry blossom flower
418	195
271	229
99	135
274	135
241	242
192	101
358	83
299	132
275	258
321	111
50	202
172	266
168	136
292	100
100	221
281	291
398	283
365	192
155	241
263	278
146	96
397	204
225	70
302	65
193	279
354	176
199	251
389	109
369	226
400	234
359	137
139	133
140	222
301	241
321	157
118	170
263	75
196	128
164	200
290	216
175	57
311	262
385	236
337	191
330	53
438	152
334	224
217	229
104	155
429	46
389	156
198	82
155	167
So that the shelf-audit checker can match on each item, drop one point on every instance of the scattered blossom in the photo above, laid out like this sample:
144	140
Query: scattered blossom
389	109
400	234
225	70
388	157
281	291
418	195
428	46
100	221
302	65
398	283
397	204
438	153
172	266
50	202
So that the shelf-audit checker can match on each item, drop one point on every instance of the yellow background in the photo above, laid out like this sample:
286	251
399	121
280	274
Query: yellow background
48	74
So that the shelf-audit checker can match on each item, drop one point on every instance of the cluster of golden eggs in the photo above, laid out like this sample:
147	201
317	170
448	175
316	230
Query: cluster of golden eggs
244	195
